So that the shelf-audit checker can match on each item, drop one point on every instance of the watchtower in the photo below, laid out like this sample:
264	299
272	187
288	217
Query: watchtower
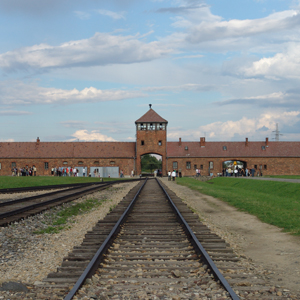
151	137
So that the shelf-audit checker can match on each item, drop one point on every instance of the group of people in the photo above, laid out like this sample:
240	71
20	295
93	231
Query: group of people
68	171
25	171
239	172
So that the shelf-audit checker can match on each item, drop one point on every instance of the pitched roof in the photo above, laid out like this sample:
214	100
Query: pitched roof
67	149
151	116
234	149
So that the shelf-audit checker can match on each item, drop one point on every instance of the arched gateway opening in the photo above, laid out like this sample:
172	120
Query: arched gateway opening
151	164
229	167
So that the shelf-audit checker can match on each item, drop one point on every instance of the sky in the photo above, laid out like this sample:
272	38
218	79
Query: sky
73	70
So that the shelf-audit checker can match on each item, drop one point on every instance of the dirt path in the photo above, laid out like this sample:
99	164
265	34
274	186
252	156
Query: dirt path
265	244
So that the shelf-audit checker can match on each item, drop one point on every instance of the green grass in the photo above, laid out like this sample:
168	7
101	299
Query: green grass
276	203
29	181
60	219
284	176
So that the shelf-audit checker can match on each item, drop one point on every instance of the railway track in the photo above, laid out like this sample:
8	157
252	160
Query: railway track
14	210
143	250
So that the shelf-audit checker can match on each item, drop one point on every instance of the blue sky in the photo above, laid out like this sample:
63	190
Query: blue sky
86	70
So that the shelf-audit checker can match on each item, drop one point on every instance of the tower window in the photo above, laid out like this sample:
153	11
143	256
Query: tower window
142	143
159	143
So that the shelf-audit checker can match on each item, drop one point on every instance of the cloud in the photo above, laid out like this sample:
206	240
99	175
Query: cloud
14	113
111	14
184	87
208	31
288	99
82	15
16	92
73	124
94	135
256	128
100	50
282	65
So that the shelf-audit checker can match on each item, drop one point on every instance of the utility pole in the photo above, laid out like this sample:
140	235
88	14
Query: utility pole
277	133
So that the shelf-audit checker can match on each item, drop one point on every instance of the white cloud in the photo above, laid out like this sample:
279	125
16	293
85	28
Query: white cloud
101	49
111	14
82	15
257	128
282	65
94	135
14	113
207	31
16	92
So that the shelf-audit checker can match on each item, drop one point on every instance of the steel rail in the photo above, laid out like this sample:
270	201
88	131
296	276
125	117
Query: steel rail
200	249
78	186
36	205
57	186
95	262
7	203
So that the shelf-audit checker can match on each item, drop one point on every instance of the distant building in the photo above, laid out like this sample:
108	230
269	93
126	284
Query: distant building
269	158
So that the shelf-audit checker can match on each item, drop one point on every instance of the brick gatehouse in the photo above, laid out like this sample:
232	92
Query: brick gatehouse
270	158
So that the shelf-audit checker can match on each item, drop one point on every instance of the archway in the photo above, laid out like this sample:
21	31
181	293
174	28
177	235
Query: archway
229	166
151	164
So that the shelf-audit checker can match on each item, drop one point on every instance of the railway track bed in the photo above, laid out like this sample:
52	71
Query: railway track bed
152	258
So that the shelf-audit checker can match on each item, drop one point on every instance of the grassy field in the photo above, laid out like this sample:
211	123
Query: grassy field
28	181
276	203
284	176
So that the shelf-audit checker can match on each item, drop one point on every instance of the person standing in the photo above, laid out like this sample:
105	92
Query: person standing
173	175
169	175
83	172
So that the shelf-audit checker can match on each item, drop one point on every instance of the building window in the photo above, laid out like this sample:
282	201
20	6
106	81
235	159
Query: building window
65	162
188	165
263	147
161	126
159	143
175	165
255	167
211	165
96	162
224	148
195	167
265	167
80	163
13	164
112	162
46	165
151	126
142	143
143	126
186	148
201	167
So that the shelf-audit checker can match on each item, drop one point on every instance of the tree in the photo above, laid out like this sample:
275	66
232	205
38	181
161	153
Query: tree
150	163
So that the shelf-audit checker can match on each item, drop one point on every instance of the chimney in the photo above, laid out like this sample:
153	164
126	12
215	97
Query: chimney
267	142
179	141
202	142
246	143
37	140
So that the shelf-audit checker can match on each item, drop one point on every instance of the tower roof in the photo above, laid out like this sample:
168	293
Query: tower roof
151	116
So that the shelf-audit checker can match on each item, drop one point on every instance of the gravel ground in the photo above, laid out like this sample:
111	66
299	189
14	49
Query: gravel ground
27	258
262	248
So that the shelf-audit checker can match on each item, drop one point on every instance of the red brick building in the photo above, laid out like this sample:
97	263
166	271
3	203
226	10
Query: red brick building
270	158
